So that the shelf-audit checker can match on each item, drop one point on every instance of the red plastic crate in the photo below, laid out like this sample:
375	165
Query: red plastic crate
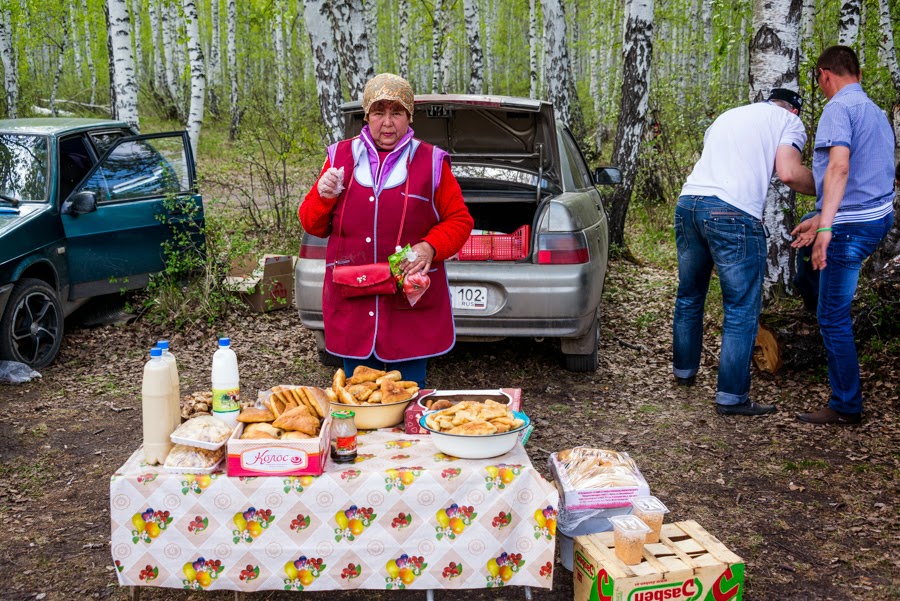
497	247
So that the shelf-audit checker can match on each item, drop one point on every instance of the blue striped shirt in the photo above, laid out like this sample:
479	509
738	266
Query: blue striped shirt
852	120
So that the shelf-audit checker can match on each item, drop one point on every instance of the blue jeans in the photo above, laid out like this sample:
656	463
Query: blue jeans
711	232
851	244
413	370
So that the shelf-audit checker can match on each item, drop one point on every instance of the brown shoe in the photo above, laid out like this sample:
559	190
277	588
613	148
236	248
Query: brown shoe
830	416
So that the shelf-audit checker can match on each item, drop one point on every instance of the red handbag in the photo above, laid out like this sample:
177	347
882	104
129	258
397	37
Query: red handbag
372	278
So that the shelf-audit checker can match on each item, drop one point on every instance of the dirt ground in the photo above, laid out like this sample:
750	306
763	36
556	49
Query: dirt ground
813	511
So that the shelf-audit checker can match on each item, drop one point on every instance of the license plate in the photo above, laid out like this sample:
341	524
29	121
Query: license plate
469	297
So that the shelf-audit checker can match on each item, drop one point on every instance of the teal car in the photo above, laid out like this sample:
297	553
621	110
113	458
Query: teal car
86	207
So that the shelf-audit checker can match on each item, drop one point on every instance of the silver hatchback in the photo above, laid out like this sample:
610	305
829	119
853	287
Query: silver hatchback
536	261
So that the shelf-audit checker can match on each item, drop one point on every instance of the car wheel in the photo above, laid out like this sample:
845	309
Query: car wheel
31	330
585	363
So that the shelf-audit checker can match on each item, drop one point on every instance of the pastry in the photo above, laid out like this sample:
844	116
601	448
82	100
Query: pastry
365	374
256	414
474	428
296	435
298	419
203	428
261	430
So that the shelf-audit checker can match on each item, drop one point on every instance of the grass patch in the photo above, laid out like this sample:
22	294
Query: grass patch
804	464
558	408
28	477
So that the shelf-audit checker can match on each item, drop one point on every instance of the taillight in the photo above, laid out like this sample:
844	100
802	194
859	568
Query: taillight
312	251
562	249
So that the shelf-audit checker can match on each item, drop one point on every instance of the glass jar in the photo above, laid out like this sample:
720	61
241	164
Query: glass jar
343	437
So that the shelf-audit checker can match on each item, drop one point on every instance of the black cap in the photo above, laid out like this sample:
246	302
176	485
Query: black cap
791	97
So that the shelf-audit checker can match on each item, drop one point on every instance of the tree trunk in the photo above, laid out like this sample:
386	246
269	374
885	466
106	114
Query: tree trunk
352	43
371	15
89	51
403	59
138	50
848	22
556	68
76	42
533	42
122	63
807	21
437	23
170	51
60	63
198	73
317	14
489	18
774	60
231	49
214	72
637	58
473	35
10	68
279	56
706	54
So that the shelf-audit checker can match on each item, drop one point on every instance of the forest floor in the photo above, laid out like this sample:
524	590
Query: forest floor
812	510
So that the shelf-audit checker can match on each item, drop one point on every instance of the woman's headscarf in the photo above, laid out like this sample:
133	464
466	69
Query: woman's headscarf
387	86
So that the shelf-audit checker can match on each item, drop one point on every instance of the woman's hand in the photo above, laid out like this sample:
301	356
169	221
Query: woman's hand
425	253
331	183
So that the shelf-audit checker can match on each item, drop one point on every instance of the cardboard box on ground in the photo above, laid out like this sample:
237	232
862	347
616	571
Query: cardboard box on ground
265	284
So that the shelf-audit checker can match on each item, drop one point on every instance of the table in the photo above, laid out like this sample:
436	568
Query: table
404	516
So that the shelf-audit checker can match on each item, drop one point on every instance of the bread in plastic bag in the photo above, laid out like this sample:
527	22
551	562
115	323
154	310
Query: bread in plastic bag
588	468
203	428
183	456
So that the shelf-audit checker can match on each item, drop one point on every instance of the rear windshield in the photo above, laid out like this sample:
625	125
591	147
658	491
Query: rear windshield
23	167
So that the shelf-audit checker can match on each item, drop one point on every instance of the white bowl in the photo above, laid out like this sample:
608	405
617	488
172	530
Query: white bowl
476	447
373	417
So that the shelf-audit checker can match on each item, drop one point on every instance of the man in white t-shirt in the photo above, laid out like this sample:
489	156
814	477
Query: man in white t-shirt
718	222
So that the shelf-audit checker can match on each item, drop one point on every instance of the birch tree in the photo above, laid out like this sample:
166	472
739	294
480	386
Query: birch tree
533	49
231	50
138	50
848	22
124	84
556	57
774	60
214	72
403	59
371	15
637	55
60	63
10	66
317	14
198	73
89	52
279	56
437	36
169	37
473	35
352	43
159	68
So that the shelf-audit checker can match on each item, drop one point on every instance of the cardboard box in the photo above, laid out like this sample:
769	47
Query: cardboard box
688	563
265	284
512	396
573	499
279	458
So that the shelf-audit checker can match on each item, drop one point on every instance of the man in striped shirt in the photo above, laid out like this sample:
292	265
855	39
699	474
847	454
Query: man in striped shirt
854	174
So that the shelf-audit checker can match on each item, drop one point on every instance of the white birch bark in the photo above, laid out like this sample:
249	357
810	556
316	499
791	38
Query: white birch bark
774	62
436	39
170	40
231	50
473	35
489	45
60	63
556	55
122	63
89	51
862	44
10	66
198	73
533	42
214	74
848	22
706	54
138	49
159	68
317	15
352	44
403	58
372	29
637	59
279	55
76	40
807	21
594	67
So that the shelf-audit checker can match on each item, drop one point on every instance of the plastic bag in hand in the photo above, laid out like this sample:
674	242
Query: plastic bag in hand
414	286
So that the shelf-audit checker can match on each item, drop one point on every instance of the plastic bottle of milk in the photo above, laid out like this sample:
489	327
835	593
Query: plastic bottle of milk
226	384
158	410
175	389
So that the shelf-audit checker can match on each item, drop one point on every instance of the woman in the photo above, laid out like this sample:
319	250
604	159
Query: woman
374	188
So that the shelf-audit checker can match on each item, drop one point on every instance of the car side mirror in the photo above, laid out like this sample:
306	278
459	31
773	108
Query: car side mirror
80	204
607	176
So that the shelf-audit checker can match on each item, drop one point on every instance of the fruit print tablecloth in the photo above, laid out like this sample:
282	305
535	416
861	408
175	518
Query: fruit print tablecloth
404	516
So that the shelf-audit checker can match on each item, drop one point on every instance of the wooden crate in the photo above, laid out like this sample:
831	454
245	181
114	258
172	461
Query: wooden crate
687	564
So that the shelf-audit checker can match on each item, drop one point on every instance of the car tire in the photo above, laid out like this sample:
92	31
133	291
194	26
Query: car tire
31	329
585	363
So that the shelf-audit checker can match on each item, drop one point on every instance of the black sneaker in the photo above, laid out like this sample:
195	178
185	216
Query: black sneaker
688	381
745	408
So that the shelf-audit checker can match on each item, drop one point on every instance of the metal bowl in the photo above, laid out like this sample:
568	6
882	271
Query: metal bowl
457	396
373	417
476	447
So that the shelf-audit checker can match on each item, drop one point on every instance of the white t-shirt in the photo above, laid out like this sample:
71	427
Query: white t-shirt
739	155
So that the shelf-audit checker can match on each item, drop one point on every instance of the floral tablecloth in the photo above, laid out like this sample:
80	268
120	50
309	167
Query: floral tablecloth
404	516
